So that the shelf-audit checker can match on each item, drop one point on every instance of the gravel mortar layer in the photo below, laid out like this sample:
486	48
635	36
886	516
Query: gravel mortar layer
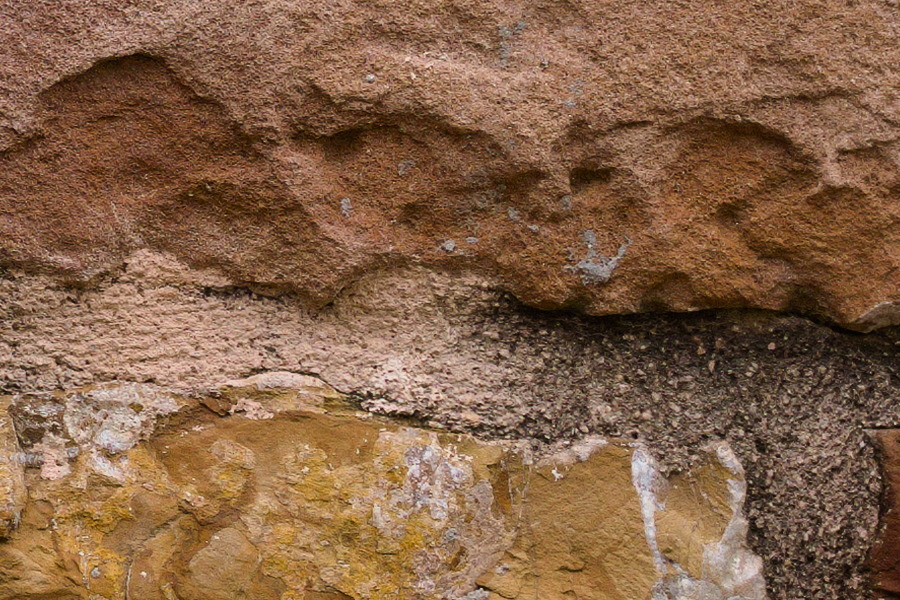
791	396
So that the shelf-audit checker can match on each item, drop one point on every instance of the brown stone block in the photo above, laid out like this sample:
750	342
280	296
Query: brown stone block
611	158
885	558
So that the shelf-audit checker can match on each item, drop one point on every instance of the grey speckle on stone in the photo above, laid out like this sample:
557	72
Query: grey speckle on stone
534	228
346	207
594	267
577	87
405	166
471	240
448	246
370	78
512	213
566	202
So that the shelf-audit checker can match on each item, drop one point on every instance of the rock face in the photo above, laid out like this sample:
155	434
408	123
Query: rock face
607	157
291	494
391	196
885	559
12	478
455	354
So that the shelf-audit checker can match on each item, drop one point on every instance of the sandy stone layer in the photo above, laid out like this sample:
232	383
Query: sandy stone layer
609	157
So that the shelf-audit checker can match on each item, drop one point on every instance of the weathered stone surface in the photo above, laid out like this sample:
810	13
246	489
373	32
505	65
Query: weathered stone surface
611	157
458	355
12	477
599	521
885	558
296	495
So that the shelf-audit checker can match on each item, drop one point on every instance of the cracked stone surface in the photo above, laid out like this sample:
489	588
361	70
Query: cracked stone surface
312	498
749	151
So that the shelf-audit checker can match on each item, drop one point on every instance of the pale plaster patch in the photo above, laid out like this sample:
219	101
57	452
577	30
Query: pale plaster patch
647	481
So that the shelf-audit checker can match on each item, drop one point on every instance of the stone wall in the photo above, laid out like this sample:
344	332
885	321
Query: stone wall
446	353
458	299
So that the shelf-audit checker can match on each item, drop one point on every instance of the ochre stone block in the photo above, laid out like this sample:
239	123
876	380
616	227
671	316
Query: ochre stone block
292	493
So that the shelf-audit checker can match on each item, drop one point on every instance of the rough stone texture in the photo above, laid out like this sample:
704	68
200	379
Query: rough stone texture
610	157
368	192
584	548
12	478
885	559
791	397
312	499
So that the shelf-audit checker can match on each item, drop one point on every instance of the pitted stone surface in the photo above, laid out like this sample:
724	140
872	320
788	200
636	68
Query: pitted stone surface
607	157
